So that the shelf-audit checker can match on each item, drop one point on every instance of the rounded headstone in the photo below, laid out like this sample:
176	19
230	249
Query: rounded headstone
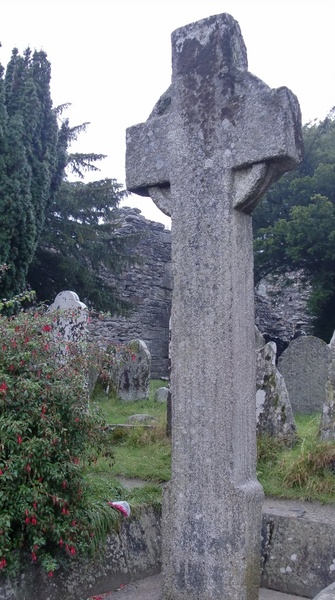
161	395
305	367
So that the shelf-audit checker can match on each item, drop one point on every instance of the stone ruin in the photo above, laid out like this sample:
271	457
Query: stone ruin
147	286
211	147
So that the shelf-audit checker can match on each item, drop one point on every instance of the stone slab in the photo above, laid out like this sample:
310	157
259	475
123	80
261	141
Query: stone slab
304	529
298	546
150	588
305	366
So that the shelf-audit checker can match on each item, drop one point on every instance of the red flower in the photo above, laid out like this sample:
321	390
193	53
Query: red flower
3	387
61	542
33	520
3	563
33	556
19	439
72	550
27	520
1	472
50	574
11	367
64	484
47	328
34	505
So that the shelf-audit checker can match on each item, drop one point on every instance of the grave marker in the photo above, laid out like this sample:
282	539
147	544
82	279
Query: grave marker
213	144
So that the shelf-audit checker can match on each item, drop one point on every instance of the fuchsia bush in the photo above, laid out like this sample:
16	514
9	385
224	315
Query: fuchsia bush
47	435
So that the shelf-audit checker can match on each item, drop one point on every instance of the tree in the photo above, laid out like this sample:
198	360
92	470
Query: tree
63	232
29	162
294	227
80	241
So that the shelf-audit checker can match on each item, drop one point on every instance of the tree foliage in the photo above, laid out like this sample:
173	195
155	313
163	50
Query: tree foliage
80	240
64	232
30	165
294	227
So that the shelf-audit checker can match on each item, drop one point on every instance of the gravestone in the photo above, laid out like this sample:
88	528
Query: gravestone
71	319
73	322
274	415
133	371
305	366
211	147
161	395
327	425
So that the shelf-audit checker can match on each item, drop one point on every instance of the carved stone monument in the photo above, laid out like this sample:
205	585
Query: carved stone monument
213	144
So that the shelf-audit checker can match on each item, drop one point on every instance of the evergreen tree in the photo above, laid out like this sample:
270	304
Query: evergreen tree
30	167
294	226
80	241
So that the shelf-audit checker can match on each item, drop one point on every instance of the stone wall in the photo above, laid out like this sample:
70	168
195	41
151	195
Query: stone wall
148	287
280	302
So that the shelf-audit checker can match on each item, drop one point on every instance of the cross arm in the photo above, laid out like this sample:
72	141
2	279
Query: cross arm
146	155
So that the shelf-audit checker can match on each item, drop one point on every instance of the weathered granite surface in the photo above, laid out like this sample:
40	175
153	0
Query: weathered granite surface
298	546
213	144
305	367
274	413
327	425
327	594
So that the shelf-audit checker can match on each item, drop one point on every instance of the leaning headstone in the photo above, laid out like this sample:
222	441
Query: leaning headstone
327	425
213	144
274	415
305	367
133	365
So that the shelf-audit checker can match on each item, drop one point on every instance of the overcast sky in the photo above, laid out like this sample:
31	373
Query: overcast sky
111	59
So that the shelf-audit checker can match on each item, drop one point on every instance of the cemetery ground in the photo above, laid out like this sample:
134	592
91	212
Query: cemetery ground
142	457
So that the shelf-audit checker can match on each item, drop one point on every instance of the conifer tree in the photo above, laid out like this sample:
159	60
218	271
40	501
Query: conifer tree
29	162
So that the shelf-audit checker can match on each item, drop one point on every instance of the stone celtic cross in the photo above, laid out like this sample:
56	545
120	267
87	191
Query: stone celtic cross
211	147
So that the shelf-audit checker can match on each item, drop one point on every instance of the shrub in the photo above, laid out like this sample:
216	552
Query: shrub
47	435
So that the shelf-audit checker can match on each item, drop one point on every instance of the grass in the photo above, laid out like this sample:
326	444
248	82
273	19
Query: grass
305	472
140	452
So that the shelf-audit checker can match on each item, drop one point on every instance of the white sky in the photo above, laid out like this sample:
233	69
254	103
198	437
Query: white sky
111	58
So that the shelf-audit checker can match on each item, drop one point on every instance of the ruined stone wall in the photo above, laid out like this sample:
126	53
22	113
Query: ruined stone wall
279	302
148	287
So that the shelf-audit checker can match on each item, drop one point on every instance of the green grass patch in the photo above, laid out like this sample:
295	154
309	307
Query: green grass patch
140	452
304	472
